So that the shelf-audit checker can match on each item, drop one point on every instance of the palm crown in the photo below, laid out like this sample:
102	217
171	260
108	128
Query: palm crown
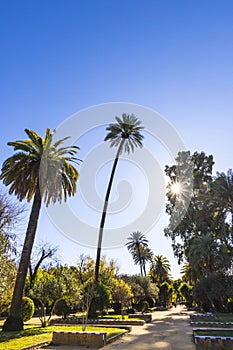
136	240
126	130
160	268
40	163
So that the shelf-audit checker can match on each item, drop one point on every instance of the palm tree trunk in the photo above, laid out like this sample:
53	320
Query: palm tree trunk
140	259
14	321
144	267
102	222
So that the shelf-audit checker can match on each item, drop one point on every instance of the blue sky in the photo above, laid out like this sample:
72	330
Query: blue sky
59	57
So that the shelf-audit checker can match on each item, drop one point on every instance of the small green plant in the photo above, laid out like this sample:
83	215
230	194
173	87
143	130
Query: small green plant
28	309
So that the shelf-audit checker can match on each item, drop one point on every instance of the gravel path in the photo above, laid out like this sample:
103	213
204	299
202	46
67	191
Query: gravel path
169	330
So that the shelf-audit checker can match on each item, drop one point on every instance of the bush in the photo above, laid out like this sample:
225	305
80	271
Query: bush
230	306
145	306
151	302
101	301
206	306
117	308
27	309
62	308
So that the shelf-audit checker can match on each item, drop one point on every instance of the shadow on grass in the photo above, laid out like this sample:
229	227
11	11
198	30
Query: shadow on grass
30	331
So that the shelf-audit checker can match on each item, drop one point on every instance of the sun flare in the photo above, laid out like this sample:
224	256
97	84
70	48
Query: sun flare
176	188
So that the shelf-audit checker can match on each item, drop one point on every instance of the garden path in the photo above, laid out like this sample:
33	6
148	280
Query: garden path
169	330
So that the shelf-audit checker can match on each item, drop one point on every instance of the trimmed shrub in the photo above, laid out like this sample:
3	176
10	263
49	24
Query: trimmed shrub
62	308
27	309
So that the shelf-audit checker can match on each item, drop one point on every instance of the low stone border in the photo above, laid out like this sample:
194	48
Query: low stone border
207	316
115	337
36	346
207	342
96	322
212	324
126	327
96	339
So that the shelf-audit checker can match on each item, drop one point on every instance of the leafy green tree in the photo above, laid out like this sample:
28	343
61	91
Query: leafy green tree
124	134
40	170
223	195
176	285
192	211
51	286
86	266
165	294
206	255
160	269
102	299
142	288
10	214
7	275
137	245
122	293
45	291
213	292
186	292
138	293
84	269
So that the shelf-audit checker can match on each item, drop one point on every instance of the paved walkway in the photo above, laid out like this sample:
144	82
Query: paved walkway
169	330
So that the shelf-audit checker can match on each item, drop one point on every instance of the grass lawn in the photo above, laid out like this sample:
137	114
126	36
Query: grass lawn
220	317
36	334
227	317
217	333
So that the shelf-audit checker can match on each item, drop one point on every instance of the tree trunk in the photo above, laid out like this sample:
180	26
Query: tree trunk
139	256
102	222
14	321
144	267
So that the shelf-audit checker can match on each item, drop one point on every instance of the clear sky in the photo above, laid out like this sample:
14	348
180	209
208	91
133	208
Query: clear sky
175	57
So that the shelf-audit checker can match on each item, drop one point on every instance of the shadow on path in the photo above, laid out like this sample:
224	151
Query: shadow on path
169	330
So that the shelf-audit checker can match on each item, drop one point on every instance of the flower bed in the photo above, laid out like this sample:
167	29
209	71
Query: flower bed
200	317
209	342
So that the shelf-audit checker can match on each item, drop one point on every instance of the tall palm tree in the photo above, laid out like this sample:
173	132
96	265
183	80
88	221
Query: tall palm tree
124	134
136	242
39	170
160	269
142	256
